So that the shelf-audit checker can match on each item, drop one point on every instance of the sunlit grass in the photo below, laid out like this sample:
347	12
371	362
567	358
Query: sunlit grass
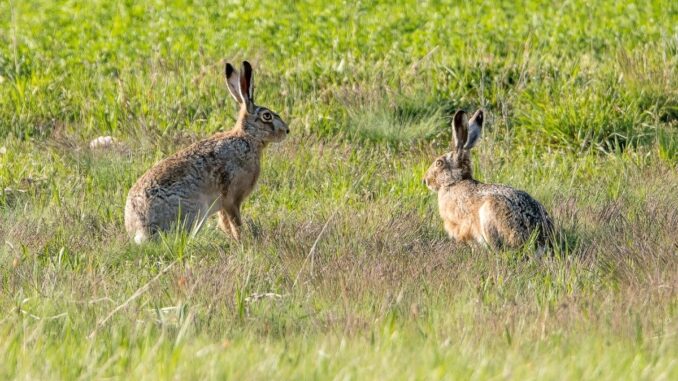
344	271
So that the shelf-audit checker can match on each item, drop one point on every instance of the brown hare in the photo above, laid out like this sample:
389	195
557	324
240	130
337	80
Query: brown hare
492	215
215	174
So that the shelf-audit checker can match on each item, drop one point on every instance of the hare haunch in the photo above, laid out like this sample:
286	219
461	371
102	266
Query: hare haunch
492	215
212	175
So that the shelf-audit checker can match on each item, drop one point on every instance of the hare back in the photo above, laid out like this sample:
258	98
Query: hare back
508	217
193	184
494	215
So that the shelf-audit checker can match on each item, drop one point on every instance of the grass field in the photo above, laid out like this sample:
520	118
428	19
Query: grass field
344	271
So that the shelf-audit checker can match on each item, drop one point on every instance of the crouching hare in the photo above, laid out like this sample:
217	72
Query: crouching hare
212	175
492	215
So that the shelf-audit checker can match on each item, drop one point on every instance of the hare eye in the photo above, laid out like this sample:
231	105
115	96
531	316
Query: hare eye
266	116
439	163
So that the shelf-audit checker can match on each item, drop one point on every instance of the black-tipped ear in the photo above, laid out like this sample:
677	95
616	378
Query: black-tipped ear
246	84
475	127
232	81
459	129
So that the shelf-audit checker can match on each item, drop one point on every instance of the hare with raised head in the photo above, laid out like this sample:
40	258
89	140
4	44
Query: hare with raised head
492	215
212	175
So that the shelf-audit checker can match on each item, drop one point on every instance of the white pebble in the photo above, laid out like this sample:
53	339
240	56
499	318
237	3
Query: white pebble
102	142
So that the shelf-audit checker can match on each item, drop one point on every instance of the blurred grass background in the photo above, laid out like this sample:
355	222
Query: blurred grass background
582	105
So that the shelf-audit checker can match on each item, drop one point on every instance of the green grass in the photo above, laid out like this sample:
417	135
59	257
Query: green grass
582	105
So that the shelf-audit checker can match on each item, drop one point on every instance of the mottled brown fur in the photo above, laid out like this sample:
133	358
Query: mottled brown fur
212	175
489	214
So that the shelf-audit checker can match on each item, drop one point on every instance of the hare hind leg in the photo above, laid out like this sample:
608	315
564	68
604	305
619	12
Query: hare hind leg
489	233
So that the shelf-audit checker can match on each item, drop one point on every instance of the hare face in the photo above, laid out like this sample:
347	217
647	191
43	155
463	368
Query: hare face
257	121
266	125
455	166
448	169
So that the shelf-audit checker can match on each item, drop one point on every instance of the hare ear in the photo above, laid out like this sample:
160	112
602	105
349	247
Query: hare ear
232	81
247	86
474	129
459	129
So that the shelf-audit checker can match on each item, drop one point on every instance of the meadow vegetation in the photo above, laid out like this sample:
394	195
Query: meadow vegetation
344	270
